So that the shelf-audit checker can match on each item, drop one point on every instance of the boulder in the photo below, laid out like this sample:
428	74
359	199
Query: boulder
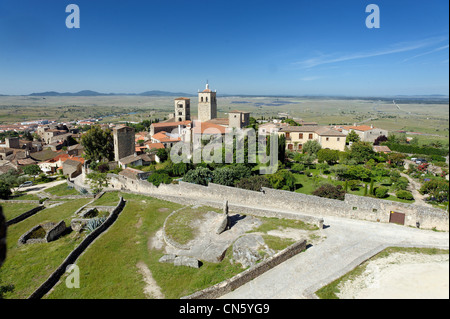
186	261
167	258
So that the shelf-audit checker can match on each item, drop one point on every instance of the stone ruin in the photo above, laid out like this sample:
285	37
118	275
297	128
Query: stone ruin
215	234
77	224
43	233
225	222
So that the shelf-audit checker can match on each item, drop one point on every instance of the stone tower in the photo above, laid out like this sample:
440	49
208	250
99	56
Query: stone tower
207	105
182	109
124	144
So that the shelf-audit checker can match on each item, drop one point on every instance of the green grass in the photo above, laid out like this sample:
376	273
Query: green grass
272	223
108	267
28	266
108	199
331	290
277	243
62	190
179	226
25	196
12	210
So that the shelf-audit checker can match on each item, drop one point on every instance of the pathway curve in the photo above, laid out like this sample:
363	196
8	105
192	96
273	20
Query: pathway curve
348	243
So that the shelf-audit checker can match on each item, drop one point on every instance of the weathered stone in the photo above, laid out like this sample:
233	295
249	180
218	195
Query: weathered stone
223	224
170	258
249	249
186	261
77	224
225	207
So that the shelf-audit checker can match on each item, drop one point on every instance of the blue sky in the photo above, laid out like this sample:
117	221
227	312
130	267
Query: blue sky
242	47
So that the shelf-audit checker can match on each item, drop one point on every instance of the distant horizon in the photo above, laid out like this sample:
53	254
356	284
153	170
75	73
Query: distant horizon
169	93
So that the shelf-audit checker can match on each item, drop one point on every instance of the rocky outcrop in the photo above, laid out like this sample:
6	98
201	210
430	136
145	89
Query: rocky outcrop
180	260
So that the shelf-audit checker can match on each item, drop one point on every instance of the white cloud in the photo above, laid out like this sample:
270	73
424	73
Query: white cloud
398	48
428	52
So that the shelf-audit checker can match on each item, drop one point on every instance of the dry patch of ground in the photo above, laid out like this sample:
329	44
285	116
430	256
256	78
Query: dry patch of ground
401	276
151	290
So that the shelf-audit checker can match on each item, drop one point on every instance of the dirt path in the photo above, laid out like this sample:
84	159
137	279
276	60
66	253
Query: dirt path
151	290
414	187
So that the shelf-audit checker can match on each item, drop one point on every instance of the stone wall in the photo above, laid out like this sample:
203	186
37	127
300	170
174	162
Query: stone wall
73	256
247	275
356	207
25	215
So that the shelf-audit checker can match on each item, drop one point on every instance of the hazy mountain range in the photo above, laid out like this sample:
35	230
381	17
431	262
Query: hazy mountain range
439	98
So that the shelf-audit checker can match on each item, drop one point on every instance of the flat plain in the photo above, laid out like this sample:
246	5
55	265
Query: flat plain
428	116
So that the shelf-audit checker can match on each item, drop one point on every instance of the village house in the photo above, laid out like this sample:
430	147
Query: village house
366	133
297	136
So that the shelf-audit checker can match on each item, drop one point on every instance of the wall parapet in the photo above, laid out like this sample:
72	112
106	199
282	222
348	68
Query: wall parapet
353	206
249	274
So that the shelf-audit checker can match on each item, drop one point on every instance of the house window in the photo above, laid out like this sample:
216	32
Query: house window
288	135
338	139
300	146
310	136
300	135
201	99
327	139
290	146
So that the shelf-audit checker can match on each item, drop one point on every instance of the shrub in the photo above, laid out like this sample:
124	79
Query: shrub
94	223
353	185
254	183
159	177
381	192
330	191
402	194
199	175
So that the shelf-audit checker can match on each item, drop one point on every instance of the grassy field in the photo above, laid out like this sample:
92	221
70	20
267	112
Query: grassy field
62	190
424	116
12	210
108	268
28	266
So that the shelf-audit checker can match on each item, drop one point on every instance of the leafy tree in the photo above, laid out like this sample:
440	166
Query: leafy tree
254	183
352	136
199	175
97	181
437	189
361	152
282	179
157	178
381	192
162	154
311	147
396	158
330	191
403	194
224	176
339	170
327	155
358	172
10	178
5	191
98	144
380	139
32	170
